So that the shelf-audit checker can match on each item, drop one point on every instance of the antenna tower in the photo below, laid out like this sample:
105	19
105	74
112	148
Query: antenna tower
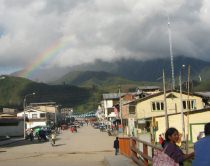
171	54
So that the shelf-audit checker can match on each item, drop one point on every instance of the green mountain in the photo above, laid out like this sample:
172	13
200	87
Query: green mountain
14	89
130	69
150	70
105	81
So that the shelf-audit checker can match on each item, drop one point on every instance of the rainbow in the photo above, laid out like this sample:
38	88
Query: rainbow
47	55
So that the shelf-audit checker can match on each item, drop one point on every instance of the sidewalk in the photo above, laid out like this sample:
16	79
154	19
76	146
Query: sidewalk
118	160
10	141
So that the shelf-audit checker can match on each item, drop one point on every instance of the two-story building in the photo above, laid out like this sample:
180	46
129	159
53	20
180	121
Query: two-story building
150	111
107	105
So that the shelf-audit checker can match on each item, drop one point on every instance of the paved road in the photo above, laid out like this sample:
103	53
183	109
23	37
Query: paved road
85	148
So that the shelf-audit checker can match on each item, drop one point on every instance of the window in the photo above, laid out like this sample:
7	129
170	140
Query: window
157	106
162	106
34	116
42	115
188	104
132	109
153	106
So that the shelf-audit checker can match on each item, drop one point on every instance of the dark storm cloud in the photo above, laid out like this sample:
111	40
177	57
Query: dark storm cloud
96	29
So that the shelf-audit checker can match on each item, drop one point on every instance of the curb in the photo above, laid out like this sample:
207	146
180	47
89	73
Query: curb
10	141
118	160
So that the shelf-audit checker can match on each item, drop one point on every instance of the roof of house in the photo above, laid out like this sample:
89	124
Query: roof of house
160	93
6	120
205	94
7	115
148	87
112	95
43	103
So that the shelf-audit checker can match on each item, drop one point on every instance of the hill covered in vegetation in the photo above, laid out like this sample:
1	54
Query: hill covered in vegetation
14	89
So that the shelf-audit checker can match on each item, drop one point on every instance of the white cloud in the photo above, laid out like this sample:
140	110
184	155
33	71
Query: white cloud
101	29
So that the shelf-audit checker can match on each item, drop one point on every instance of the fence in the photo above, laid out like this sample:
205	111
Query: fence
129	147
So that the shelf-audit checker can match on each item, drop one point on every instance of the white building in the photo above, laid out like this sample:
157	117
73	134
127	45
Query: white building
107	103
34	118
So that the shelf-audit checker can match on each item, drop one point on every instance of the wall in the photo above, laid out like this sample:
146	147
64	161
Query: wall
34	124
12	130
196	122
29	114
144	108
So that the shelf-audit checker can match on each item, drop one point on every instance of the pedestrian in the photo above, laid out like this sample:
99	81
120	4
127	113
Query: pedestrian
53	137
172	150
116	146
31	135
202	149
161	140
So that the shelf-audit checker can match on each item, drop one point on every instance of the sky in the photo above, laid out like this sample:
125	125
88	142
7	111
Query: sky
81	31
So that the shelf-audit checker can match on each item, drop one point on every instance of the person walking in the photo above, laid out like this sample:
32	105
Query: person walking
202	149
116	146
31	135
172	150
53	137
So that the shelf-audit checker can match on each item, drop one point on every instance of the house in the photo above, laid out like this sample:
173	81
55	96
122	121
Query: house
129	109
11	125
197	121
10	111
150	108
41	114
107	103
36	118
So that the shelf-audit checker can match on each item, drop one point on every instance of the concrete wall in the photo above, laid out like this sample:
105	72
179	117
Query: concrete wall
12	130
107	104
29	114
34	124
196	124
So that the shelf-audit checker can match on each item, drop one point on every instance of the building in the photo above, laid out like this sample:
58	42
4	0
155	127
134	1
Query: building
41	114
11	125
107	105
150	111
197	121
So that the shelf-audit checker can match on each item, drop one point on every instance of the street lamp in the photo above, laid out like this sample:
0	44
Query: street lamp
24	118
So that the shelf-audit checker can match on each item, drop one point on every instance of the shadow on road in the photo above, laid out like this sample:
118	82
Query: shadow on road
59	144
23	143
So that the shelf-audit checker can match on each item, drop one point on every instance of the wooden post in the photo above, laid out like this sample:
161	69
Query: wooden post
133	144
188	110
165	103
145	152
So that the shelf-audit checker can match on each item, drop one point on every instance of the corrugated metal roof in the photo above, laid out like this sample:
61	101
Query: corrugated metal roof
111	95
205	94
148	87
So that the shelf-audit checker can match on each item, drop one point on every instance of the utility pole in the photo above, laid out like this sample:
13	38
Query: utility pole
171	54
165	104
181	106
24	118
188	108
120	108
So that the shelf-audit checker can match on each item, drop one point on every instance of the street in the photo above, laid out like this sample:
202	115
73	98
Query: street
87	147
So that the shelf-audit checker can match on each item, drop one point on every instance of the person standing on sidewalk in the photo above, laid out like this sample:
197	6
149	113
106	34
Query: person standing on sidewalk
116	146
